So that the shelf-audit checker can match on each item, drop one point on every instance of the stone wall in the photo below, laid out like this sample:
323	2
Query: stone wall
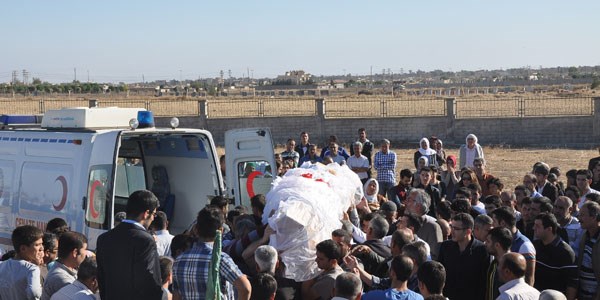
556	131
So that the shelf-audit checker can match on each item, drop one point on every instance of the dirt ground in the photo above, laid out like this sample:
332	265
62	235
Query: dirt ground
510	164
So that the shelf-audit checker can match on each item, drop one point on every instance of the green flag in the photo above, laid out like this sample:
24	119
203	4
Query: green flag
213	291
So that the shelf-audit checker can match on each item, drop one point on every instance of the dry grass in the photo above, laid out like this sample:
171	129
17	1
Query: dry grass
511	164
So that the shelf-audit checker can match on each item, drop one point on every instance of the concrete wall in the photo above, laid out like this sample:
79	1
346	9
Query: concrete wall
563	131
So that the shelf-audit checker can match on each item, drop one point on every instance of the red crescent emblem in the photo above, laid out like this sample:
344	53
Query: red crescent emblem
63	200
250	183
93	211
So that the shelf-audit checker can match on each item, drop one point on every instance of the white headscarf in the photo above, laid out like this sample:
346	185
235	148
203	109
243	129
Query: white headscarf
471	136
371	198
427	151
422	158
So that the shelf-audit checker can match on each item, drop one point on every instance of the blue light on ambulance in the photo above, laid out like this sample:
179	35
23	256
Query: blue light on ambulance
19	119
146	119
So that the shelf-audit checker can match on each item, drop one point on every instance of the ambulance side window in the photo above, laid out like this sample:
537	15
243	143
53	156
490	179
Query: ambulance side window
130	177
99	196
255	177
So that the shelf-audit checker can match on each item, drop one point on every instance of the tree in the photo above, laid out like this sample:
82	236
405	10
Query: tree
595	83
36	81
573	72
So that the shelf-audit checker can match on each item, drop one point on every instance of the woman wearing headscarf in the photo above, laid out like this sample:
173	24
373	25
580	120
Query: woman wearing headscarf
450	177
437	145
470	151
421	163
425	151
371	194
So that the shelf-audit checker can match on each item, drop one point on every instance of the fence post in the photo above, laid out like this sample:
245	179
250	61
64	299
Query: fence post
521	104
383	107
42	106
320	102
203	113
450	118
320	118
596	110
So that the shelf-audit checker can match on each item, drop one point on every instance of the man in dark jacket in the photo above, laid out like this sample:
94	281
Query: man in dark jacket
466	261
128	265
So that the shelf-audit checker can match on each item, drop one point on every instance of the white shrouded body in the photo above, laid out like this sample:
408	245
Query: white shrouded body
307	205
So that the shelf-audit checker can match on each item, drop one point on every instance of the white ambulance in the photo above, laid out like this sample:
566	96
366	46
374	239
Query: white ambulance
81	164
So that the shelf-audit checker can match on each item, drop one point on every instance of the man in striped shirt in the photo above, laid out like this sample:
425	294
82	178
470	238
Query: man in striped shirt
190	270
589	252
503	217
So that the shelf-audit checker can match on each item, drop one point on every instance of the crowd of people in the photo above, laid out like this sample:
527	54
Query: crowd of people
447	229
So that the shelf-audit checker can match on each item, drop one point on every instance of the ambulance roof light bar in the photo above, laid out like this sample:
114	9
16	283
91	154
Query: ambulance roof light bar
12	121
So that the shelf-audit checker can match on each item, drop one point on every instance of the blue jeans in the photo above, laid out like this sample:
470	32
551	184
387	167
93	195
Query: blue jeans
384	187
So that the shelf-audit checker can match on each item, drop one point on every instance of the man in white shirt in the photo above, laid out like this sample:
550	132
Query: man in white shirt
512	273
20	276
161	234
358	162
584	179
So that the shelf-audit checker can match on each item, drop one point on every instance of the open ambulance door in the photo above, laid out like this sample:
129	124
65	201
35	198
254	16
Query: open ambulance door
250	163
98	202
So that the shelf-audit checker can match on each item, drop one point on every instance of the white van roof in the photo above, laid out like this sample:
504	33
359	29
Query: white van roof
95	117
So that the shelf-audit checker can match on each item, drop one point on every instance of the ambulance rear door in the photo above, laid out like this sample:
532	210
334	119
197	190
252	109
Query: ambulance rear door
98	203
250	163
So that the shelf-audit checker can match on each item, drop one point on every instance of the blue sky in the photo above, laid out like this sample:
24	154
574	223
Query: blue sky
121	40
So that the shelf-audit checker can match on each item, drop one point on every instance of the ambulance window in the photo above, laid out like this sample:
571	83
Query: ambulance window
255	177
6	178
130	176
99	195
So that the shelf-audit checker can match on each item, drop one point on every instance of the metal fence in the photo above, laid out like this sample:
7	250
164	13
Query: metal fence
334	107
370	107
267	107
159	107
523	107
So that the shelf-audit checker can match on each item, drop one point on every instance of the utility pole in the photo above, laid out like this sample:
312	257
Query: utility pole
88	74
221	81
74	74
371	76
143	79
180	77
14	77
